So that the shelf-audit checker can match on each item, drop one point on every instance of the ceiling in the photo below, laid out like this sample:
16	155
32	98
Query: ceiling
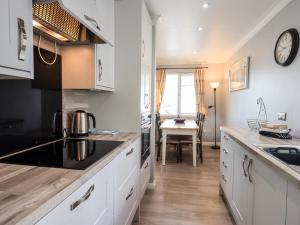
226	25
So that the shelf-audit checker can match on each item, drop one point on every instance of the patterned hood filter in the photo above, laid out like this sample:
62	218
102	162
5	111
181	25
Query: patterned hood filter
53	17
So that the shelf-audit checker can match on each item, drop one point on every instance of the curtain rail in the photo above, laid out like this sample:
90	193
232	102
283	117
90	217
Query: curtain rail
182	68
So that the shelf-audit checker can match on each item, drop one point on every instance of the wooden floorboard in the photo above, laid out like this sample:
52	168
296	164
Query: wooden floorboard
185	195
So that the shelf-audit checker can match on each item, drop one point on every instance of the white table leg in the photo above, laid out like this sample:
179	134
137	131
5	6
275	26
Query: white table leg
164	147
194	148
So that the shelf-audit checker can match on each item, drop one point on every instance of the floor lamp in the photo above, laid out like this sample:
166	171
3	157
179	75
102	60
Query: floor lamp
215	85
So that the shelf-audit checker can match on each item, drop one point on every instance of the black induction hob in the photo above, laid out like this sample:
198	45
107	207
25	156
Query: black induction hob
69	154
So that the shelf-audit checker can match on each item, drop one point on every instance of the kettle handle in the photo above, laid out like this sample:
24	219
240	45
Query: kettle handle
93	118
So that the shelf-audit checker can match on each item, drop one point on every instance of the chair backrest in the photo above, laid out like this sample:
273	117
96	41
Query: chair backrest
157	127
200	117
201	125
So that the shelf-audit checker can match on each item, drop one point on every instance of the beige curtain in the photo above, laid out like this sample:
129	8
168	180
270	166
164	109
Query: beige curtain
160	87
199	89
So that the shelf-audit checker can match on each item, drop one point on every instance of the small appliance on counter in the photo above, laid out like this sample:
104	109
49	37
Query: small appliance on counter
80	123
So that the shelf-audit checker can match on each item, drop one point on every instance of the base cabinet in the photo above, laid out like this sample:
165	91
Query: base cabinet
145	177
269	195
293	204
259	194
103	200
91	204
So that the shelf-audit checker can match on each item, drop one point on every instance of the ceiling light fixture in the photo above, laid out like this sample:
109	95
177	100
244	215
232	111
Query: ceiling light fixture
200	28
205	5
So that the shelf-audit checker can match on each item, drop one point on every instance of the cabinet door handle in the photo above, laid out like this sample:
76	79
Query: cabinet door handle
86	196
224	178
130	194
130	152
225	151
93	21
226	138
100	69
249	169
144	49
22	39
224	164
146	166
244	161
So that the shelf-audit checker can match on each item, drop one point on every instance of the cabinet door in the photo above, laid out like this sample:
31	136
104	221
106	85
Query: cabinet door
105	76
16	53
105	14
269	196
85	12
91	204
145	177
241	187
293	205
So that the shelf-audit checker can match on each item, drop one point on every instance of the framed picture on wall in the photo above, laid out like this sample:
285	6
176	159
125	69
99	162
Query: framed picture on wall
239	75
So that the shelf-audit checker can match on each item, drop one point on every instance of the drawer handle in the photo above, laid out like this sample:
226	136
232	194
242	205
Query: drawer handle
224	178
86	196
130	194
130	152
93	21
146	166
224	164
225	151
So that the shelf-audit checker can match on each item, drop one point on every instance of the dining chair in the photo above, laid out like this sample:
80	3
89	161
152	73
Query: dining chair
170	140
188	139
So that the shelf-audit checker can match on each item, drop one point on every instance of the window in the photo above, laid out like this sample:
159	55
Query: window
179	95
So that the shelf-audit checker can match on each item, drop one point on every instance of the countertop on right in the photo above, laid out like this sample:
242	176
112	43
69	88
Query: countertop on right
248	138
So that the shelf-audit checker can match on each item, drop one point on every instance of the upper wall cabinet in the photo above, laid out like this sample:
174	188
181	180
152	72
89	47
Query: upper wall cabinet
16	38
96	15
88	67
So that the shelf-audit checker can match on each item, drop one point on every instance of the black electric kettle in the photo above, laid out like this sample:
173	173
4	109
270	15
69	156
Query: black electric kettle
80	123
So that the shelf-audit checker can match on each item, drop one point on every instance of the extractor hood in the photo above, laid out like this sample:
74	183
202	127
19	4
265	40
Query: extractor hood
52	21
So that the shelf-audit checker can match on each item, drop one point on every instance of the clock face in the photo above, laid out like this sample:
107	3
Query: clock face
287	47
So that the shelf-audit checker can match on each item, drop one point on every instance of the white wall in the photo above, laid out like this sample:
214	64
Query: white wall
278	86
121	109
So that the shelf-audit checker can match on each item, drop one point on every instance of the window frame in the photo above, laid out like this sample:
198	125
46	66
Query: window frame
179	74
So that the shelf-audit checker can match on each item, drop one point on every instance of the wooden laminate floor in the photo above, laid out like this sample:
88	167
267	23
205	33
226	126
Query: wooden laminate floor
185	195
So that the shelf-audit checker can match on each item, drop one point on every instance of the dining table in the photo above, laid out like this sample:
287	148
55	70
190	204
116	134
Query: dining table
170	127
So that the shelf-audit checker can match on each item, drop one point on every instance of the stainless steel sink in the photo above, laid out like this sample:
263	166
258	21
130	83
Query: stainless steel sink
286	153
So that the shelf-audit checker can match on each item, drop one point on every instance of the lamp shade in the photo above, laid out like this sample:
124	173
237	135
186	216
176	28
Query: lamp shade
214	84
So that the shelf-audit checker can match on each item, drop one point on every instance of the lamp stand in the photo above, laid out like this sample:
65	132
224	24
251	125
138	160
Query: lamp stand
215	146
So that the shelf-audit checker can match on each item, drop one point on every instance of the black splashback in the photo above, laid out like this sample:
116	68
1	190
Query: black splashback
31	110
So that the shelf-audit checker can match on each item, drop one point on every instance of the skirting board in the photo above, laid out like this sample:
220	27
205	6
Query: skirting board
151	186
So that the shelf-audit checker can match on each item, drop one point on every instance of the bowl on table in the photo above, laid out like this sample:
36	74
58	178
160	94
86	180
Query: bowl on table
179	120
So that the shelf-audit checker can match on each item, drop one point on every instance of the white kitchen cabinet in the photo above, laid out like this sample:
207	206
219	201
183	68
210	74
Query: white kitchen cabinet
293	204
226	165
88	67
105	66
146	62
144	177
269	195
242	188
87	12
91	204
127	184
105	14
16	58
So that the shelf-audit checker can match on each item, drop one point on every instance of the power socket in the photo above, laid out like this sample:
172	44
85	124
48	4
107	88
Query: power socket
281	116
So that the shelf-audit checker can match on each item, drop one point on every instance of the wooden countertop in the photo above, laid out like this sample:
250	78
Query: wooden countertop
248	138
28	193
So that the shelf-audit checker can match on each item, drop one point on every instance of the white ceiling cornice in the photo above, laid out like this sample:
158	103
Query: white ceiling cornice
274	12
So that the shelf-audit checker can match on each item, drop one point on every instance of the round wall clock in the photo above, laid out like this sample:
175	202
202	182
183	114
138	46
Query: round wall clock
286	48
